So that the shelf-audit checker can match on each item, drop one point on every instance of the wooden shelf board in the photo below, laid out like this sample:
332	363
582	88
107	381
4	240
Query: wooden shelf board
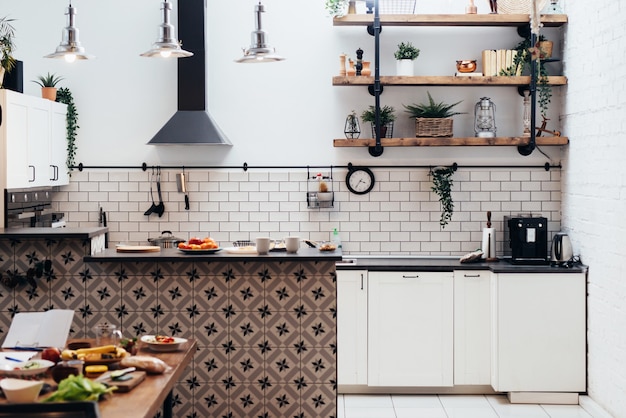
444	81
443	142
448	20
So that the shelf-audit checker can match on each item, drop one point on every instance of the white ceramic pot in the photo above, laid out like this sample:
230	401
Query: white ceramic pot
405	67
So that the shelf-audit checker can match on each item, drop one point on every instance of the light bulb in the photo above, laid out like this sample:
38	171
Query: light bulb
70	58
166	54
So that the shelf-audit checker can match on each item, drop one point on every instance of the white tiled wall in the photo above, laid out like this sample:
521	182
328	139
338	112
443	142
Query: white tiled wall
399	216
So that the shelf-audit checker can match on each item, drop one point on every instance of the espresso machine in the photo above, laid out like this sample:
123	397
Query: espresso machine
526	240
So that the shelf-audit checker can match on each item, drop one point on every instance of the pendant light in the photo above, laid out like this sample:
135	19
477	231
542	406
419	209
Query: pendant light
167	45
70	47
259	51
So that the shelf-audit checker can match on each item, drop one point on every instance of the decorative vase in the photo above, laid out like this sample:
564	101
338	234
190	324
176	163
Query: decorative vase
405	67
351	71
49	93
366	71
352	7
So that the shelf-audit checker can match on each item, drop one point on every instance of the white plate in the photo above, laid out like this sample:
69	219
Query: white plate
162	347
241	250
25	368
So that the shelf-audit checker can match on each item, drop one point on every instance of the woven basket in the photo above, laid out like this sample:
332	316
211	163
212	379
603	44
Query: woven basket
396	7
524	7
433	127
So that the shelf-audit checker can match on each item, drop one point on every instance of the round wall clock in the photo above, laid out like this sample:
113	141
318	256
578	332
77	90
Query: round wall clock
360	180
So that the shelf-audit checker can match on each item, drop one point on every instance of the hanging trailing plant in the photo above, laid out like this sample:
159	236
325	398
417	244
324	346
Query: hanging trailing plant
64	95
13	278
442	186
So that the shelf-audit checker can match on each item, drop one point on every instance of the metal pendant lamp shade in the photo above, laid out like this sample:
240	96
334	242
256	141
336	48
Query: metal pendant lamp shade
70	48
259	51
167	45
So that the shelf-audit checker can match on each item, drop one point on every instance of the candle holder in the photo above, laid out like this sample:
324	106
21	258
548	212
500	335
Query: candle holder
485	118
352	129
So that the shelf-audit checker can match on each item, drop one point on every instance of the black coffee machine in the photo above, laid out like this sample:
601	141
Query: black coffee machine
527	239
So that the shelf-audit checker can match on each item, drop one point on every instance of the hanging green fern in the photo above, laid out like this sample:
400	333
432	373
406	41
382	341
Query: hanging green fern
64	95
442	186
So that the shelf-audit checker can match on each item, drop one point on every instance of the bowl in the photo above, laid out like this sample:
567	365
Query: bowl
25	368
154	345
466	66
20	391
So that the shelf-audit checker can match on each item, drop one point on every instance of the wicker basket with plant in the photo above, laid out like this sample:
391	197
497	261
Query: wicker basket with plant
432	119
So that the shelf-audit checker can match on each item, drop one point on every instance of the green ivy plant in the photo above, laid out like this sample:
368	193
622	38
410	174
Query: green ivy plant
64	95
14	278
442	186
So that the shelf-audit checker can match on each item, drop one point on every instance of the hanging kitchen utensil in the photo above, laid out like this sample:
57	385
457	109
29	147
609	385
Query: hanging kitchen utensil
181	182
152	208
160	207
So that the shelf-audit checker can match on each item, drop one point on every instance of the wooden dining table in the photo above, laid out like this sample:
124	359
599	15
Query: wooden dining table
156	391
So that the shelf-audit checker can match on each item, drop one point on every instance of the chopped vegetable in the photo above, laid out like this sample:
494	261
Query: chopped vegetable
79	388
163	339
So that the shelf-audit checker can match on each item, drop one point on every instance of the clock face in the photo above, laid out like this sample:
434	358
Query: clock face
360	180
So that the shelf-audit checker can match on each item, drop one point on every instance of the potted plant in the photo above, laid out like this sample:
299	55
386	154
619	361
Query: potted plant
442	186
387	117
7	32
405	55
48	85
336	8
432	119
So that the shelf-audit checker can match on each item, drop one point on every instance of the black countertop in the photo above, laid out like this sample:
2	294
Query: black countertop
373	263
175	255
52	233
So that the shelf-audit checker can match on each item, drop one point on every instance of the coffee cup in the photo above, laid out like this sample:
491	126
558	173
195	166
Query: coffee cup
292	244
263	245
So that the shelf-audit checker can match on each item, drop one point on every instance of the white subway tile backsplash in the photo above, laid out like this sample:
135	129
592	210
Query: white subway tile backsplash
400	216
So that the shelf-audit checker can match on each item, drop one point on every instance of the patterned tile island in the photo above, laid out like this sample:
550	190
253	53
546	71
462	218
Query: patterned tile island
265	325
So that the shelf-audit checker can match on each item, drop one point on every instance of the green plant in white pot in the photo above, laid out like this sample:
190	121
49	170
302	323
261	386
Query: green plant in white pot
405	55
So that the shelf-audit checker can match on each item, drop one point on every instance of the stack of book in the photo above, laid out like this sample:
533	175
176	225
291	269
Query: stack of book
496	60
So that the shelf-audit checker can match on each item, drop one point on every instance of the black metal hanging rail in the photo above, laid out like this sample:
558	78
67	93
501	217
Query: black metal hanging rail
349	166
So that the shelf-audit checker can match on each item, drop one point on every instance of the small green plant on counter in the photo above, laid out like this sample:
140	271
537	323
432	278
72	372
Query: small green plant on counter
64	95
49	80
406	51
336	8
431	109
442	186
7	32
387	115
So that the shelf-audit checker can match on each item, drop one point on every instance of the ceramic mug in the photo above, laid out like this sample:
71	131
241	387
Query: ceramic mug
292	244
107	334
263	245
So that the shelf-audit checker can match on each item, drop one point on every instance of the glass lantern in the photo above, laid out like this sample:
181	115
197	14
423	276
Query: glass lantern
553	8
352	128
485	118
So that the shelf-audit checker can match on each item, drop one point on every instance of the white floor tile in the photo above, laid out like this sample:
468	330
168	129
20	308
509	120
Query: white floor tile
470	412
504	409
464	401
416	401
370	413
424	412
565	411
368	401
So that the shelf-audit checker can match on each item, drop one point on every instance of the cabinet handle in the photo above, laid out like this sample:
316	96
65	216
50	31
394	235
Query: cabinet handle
410	277
33	177
55	171
471	275
361	281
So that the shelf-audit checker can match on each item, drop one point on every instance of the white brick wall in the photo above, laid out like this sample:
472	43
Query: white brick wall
399	216
594	184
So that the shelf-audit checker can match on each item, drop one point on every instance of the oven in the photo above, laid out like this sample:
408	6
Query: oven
30	208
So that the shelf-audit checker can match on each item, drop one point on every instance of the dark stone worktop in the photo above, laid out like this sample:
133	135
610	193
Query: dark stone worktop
373	263
52	233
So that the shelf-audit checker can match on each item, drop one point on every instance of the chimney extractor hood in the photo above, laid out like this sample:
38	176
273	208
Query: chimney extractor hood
191	124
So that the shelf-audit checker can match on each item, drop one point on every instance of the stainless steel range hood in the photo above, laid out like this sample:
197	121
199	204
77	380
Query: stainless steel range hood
191	124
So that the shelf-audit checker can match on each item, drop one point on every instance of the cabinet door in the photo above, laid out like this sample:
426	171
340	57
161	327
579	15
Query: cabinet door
57	168
15	135
351	327
472	327
410	329
38	141
539	340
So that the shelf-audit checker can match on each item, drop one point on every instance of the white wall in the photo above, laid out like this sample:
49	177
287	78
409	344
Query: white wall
594	184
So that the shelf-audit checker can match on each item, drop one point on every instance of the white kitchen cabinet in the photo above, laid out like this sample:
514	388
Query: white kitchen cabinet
352	327
30	134
410	324
539	328
472	327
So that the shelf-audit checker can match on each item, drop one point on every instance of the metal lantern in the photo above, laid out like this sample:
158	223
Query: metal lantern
352	128
485	118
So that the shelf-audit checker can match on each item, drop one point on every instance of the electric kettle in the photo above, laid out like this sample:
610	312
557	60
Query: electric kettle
561	249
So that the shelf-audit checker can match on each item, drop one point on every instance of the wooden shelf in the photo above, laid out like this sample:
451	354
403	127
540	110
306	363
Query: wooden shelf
444	81
448	20
444	142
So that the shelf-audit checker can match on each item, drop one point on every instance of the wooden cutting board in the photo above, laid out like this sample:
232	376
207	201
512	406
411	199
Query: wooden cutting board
127	385
137	248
